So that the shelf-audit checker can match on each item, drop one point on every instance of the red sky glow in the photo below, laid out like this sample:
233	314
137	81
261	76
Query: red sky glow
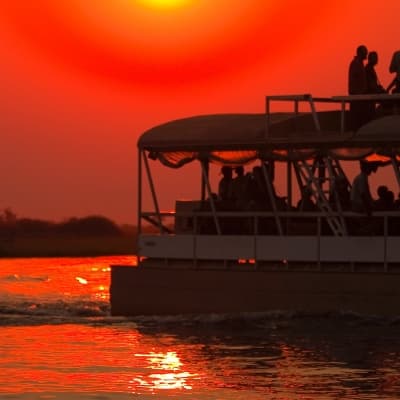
80	80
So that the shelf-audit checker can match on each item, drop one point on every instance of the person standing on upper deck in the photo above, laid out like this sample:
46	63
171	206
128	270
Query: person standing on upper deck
395	68
373	84
357	84
394	87
357	74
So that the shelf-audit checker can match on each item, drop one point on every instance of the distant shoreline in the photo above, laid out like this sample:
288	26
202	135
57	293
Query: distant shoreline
68	246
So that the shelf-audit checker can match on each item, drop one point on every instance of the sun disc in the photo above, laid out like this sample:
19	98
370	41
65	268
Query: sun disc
164	3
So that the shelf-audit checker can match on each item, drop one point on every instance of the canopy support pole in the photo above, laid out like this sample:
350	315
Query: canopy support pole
139	205
332	177
153	192
289	190
396	168
204	163
211	199
272	198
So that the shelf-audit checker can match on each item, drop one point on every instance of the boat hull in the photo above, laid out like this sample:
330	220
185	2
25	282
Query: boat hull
171	291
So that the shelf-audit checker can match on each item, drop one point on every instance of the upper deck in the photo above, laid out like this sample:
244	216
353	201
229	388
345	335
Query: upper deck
273	134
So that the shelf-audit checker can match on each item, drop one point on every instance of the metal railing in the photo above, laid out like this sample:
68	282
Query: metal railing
296	99
258	225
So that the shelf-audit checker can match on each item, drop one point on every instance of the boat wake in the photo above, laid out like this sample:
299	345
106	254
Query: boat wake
19	278
271	320
17	312
57	312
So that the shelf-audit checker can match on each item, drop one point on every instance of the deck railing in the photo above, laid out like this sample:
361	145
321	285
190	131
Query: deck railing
252	235
343	101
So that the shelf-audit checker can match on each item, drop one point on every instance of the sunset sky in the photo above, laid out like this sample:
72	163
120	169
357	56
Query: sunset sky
82	79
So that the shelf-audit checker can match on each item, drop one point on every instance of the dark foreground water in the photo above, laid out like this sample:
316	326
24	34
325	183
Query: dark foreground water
58	341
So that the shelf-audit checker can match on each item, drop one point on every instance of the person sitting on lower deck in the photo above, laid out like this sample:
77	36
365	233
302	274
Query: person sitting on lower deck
240	188
396	204
306	203
389	200
380	204
258	193
339	197
385	202
225	186
360	195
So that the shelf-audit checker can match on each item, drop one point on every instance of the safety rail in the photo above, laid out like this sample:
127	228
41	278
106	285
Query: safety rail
256	215
305	239
342	100
297	99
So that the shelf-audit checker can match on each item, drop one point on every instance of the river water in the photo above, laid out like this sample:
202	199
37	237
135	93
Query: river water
58	341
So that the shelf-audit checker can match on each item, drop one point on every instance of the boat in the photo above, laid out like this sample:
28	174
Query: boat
207	257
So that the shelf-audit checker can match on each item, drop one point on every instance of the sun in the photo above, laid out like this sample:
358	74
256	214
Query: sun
164	4
163	43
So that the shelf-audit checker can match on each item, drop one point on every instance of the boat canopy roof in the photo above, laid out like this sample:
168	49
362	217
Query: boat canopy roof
235	139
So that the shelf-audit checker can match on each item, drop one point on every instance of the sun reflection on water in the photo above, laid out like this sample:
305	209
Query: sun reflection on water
167	361
170	373
171	381
59	279
82	281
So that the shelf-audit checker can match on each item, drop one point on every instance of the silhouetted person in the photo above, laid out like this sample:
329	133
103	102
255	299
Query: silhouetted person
384	202
389	197
380	204
357	84
394	68
258	193
357	76
374	87
227	201
280	201
306	203
225	187
340	193
360	195
373	84
240	188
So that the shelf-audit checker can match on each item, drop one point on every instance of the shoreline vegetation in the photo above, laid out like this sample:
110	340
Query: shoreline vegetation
88	236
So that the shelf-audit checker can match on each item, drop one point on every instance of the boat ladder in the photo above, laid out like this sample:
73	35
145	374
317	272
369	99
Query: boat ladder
306	175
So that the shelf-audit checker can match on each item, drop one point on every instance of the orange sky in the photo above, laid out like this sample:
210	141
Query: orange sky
81	79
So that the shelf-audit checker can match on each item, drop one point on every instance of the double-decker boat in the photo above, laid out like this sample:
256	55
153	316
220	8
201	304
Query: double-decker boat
216	256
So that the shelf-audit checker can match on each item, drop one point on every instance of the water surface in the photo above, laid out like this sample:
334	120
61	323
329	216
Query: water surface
58	341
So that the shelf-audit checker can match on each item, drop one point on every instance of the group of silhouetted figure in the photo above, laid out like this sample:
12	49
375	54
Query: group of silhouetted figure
250	192
254	191
358	198
363	79
361	199
241	191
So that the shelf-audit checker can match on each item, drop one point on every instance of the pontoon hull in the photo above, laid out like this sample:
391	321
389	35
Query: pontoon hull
167	291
